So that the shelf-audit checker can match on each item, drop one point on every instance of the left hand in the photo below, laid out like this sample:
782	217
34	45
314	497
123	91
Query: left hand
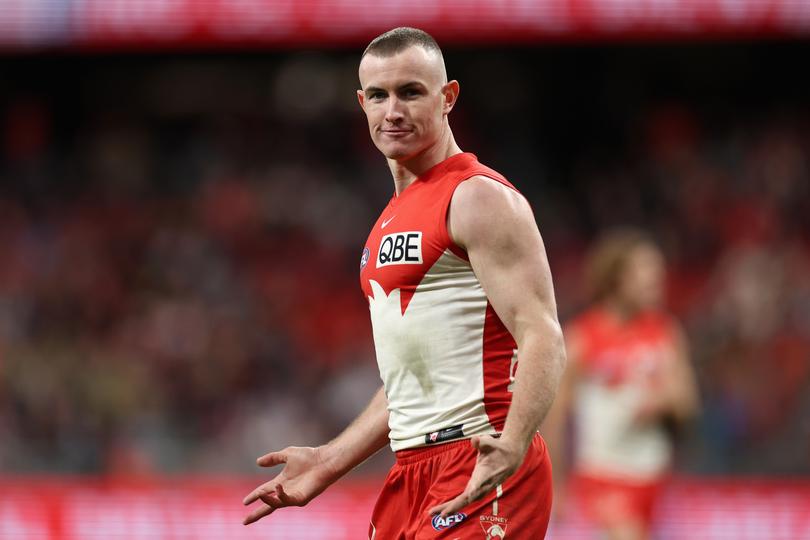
497	460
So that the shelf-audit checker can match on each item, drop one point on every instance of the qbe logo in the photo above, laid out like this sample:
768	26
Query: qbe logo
440	523
400	248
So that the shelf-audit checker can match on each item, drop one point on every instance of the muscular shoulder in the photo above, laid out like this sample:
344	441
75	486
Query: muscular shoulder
483	208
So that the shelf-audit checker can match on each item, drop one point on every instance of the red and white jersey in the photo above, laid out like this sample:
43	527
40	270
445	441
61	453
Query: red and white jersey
620	365
445	358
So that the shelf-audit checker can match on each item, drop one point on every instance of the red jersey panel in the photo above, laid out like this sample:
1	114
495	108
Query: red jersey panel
445	358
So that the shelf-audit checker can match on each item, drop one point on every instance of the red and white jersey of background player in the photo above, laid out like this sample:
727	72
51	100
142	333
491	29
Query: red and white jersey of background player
445	358
621	362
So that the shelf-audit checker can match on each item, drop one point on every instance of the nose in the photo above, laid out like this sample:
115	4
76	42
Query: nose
395	111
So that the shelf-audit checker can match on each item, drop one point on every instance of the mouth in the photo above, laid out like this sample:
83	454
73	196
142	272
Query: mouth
396	133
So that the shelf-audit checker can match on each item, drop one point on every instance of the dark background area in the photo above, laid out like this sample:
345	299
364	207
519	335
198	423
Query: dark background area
180	236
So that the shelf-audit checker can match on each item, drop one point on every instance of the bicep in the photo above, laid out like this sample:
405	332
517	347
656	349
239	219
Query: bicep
496	227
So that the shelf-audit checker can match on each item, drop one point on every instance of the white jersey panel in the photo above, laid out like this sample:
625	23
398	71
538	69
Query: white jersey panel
610	442
430	358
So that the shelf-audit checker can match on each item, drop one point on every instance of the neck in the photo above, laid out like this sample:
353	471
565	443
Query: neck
407	170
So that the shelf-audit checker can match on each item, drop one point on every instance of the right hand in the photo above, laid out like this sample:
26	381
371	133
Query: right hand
304	476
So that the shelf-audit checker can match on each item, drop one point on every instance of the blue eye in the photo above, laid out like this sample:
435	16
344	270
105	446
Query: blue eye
411	93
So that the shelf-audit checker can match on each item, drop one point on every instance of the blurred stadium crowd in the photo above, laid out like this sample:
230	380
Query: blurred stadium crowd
180	240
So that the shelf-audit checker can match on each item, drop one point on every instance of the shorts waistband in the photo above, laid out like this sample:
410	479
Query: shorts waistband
414	455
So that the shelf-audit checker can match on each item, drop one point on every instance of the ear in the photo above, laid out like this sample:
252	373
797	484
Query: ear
450	93
361	98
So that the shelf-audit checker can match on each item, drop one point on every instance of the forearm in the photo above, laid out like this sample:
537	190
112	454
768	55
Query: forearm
553	427
679	394
541	361
681	400
364	437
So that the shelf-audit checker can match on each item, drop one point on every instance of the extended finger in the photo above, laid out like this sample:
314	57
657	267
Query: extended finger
483	487
272	459
252	496
258	514
263	489
469	496
459	502
257	493
277	498
450	507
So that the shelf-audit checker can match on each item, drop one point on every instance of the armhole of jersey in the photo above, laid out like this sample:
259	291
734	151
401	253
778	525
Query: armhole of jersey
443	232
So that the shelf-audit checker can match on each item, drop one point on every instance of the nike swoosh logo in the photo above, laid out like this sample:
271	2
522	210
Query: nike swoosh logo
386	222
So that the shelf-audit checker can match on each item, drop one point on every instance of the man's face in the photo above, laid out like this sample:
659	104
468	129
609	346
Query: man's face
642	280
405	99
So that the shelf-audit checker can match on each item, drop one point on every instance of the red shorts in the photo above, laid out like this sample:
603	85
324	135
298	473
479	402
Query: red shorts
609	502
425	477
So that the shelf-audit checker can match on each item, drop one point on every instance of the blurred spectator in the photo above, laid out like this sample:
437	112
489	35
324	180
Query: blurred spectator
180	238
628	388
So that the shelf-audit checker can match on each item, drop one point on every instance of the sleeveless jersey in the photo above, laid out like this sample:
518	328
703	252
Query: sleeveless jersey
621	363
445	358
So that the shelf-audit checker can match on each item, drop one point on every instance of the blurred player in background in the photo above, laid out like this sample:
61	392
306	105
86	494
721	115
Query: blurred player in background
457	280
628	383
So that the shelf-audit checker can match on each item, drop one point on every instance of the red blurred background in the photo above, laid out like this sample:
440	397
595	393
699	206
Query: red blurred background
185	188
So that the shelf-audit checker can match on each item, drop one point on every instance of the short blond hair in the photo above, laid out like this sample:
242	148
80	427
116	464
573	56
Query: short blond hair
398	39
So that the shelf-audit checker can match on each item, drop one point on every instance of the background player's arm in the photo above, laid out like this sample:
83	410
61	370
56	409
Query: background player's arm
554	427
308	471
678	397
496	227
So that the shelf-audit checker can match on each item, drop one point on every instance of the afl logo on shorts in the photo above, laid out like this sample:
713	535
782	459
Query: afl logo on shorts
400	248
364	258
441	523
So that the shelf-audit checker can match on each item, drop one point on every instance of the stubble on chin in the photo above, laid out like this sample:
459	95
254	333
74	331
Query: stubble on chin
391	151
